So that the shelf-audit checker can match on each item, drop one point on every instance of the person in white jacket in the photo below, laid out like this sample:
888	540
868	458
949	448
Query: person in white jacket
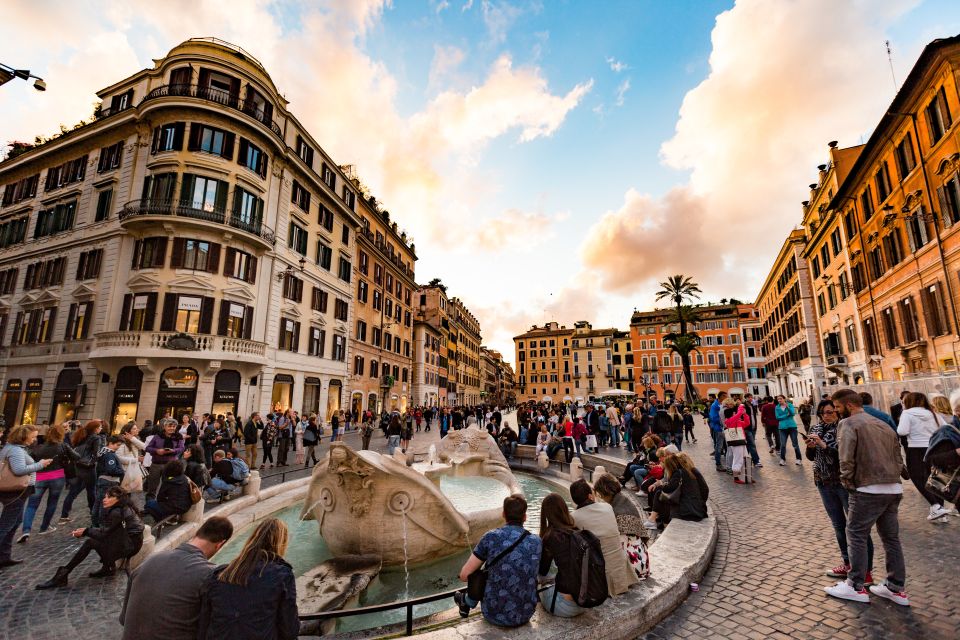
131	454
918	423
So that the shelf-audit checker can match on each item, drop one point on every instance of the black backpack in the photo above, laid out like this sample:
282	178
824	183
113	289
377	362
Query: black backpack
588	559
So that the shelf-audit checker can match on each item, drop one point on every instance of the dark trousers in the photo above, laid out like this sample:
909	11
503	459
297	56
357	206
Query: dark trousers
282	451
773	439
919	472
866	511
836	501
568	448
688	433
10	519
752	445
83	482
267	453
678	439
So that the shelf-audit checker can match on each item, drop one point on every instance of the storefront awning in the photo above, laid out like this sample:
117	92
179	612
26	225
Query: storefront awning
283	378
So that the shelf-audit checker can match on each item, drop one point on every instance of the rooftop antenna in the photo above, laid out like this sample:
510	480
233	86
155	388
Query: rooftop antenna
893	75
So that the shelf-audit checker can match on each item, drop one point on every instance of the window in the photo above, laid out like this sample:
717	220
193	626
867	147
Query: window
918	234
893	247
938	116
358	365
138	312
252	157
209	139
204	194
876	264
835	242
882	179
339	348
168	137
326	218
66	173
318	342
859	277
104	203
121	101
324	255
376	336
78	321
349	197
318	301
815	266
389	282
149	253
55	220
340	309
362	291
908	321
88	266
300	196
870	337
44	274
241	265
235	320
388	309
377	274
890	328
22	189
161	187
110	157
933	300
34	326
8	281
289	335
13	231
292	288
361	331
832	295
297	238
247	210
906	161
377	299
343	272
305	151
949	196
825	255
850	223
364	267
374	369
866	202
328	176
345	235
844	285
195	254
188	312
821	306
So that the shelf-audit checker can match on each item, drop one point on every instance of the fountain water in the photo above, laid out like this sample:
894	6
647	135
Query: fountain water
432	454
406	559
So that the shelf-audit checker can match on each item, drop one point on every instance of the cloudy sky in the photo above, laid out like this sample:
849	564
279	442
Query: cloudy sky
552	159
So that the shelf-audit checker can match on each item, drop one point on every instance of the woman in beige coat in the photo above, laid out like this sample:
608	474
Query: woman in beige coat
599	519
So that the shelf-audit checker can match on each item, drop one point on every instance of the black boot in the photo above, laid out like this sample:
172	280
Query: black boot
105	571
58	580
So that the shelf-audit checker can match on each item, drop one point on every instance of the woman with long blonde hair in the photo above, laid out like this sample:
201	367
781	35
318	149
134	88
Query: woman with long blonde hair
259	584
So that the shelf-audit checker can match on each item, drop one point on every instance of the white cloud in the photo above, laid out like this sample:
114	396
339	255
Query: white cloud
441	6
622	92
446	60
466	6
616	65
498	18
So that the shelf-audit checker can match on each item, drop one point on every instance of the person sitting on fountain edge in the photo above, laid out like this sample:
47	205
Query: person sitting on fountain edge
514	561
221	477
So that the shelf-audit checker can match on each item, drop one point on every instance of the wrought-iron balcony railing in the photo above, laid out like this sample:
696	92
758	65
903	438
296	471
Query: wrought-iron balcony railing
253	109
179	208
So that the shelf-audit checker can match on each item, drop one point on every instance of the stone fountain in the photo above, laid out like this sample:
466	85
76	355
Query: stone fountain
366	503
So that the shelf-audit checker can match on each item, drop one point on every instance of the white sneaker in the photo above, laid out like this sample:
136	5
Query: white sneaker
843	590
937	511
883	591
782	463
797	462
648	524
23	538
49	529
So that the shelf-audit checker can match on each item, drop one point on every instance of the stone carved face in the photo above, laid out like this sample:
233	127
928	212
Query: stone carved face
353	476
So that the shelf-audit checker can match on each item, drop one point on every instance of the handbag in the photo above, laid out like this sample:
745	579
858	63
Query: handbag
9	481
674	496
195	494
944	484
477	581
132	478
734	437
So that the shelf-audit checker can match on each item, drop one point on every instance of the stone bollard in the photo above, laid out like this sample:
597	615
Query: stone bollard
598	471
252	488
543	461
576	470
148	543
194	514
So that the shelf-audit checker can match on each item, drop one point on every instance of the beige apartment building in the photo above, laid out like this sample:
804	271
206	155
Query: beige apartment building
188	250
426	361
754	362
382	342
592	360
467	344
828	259
544	363
433	310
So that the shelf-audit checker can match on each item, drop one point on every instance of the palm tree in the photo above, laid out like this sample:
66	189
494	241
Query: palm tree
679	289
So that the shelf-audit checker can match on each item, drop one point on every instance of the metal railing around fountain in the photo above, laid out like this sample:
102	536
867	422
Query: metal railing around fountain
391	606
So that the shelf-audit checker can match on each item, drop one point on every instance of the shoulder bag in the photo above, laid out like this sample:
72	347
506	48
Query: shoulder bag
9	481
943	483
477	581
674	496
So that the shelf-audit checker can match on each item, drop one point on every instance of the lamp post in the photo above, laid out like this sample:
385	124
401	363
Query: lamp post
9	73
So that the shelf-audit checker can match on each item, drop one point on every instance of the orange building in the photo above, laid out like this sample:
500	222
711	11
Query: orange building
717	366
544	363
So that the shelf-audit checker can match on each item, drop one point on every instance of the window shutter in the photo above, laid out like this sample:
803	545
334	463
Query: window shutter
153	146
71	316
15	339
193	143
150	312
87	319
932	136
81	265
168	317
125	313
160	254
944	209
252	270
247	322
220	204
213	260
928	302
296	336
204	78
229	142
186	189
234	90
242	155
229	261
176	256
97	258
178	130
947	120
224	316
52	323
137	251
262	165
206	314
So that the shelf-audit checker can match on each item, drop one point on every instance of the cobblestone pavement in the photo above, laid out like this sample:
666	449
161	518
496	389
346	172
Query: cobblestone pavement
90	607
767	578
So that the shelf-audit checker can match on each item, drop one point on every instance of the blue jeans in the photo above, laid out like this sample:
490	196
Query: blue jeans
561	607
55	487
10	519
216	486
752	445
836	501
83	482
509	449
678	440
614	436
392	443
792	434
717	437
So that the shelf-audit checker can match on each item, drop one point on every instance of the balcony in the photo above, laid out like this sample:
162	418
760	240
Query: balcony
154	344
42	349
152	209
220	97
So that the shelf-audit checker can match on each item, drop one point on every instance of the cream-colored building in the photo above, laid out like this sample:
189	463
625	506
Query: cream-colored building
592	360
467	329
426	361
433	309
188	250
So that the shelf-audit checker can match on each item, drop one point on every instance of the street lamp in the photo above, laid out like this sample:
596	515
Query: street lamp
9	73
